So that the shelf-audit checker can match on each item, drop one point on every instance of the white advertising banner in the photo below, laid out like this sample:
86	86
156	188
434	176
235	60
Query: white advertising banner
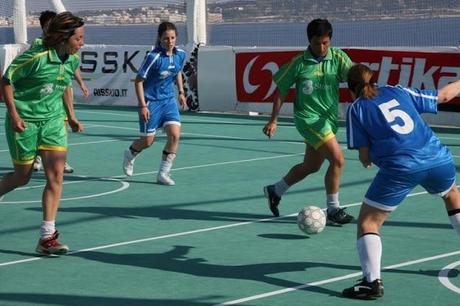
109	72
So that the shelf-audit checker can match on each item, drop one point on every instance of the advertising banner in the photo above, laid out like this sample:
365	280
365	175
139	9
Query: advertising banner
109	72
419	69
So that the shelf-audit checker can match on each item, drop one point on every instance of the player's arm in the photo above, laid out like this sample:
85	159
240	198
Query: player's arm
67	99
180	87
80	82
364	157
144	112
449	92
17	123
270	128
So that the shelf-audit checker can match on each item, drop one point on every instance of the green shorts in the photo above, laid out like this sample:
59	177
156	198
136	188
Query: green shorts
50	135
316	131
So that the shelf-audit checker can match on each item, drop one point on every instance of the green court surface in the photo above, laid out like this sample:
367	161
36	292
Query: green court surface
211	239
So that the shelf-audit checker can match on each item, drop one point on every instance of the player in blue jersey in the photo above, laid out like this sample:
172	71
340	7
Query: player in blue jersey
157	101
385	125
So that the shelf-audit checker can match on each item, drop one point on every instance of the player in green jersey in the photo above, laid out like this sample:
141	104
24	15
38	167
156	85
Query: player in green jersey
34	86
45	18
316	75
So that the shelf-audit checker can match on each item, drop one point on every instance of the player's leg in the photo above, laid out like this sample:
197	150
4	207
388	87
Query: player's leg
52	143
311	163
22	147
136	147
442	181
172	127
333	153
169	153
53	165
19	177
385	193
147	137
369	247
452	202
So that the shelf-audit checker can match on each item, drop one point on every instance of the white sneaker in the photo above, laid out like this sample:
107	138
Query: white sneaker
38	165
128	163
164	179
67	168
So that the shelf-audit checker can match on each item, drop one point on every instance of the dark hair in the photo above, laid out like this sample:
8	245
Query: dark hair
163	27
361	81
45	18
61	28
319	27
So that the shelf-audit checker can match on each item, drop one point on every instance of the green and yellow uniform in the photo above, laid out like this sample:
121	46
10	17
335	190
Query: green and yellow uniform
39	78
317	92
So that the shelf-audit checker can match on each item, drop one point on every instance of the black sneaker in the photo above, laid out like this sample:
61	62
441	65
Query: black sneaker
365	290
338	216
273	199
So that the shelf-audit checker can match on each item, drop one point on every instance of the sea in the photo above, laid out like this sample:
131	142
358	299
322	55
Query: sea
369	33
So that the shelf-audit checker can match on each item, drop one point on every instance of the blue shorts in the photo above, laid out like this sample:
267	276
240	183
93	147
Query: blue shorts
162	113
387	190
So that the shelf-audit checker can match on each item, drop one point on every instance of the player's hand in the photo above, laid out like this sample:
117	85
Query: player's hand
75	125
144	113
183	101
85	91
18	124
270	128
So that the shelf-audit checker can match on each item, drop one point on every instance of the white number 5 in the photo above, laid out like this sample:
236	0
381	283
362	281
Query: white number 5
391	115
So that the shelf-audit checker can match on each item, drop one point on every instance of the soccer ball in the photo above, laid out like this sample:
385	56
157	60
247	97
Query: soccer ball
311	220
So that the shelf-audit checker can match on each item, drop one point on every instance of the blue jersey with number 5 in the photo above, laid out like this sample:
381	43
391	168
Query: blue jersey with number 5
391	127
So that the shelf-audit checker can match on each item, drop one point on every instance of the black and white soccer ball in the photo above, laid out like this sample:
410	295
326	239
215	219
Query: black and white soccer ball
311	220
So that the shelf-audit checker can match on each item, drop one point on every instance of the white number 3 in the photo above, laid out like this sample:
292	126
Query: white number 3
391	115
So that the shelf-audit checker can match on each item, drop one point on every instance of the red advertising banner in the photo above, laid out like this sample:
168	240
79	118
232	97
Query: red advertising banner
416	69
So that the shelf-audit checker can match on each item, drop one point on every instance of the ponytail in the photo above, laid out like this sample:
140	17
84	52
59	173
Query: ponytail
361	82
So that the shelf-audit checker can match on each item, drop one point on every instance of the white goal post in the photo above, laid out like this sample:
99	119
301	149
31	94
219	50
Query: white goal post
196	20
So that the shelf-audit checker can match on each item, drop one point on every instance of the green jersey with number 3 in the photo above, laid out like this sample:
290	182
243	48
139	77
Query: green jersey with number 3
316	84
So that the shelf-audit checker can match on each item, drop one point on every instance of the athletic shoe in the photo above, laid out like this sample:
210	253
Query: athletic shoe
67	168
128	162
365	290
38	165
273	199
51	245
338	216
164	179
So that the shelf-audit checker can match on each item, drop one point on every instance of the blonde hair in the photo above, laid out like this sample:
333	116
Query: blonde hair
61	28
361	81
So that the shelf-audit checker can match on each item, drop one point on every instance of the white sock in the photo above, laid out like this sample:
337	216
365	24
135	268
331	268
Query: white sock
370	254
166	165
281	187
47	229
455	221
332	201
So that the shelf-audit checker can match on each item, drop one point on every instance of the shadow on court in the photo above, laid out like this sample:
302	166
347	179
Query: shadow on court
177	261
78	300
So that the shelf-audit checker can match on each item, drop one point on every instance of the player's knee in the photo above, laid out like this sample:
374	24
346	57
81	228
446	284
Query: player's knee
21	180
338	162
173	138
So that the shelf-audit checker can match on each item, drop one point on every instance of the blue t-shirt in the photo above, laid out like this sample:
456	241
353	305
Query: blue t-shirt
159	71
391	127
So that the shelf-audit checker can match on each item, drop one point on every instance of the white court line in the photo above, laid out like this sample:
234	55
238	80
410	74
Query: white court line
335	279
443	276
153	172
9	263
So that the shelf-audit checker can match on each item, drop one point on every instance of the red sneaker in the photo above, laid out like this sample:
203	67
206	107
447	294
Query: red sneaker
51	245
